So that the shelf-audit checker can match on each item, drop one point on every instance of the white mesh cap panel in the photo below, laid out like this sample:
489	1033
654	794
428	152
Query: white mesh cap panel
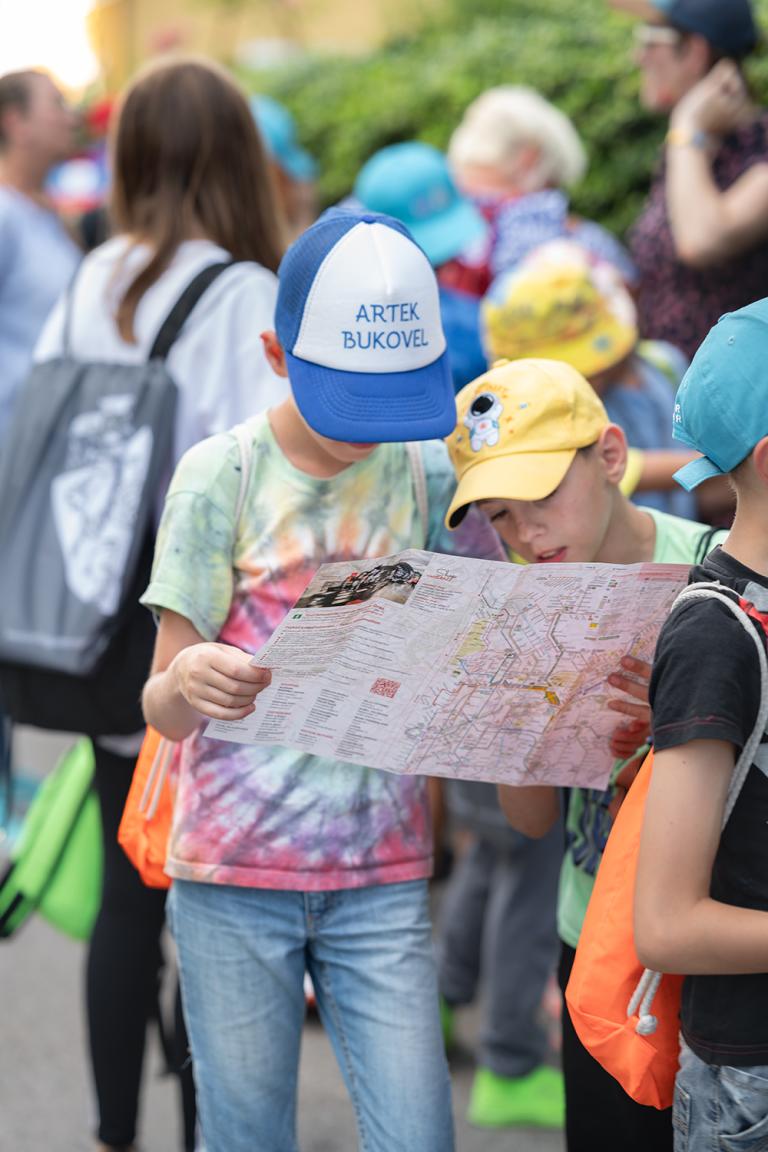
390	325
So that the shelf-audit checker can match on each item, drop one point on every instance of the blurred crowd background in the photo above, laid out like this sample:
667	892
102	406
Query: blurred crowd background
358	77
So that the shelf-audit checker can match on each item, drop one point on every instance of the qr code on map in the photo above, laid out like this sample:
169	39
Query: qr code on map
386	688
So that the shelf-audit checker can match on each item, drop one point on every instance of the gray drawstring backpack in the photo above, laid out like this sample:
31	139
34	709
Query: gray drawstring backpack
88	448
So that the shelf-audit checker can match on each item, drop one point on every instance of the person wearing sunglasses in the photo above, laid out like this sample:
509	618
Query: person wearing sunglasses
701	241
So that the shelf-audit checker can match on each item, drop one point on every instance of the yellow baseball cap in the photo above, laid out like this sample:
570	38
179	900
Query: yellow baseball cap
557	304
519	428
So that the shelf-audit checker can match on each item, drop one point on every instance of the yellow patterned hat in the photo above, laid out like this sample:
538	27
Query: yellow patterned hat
559	306
519	427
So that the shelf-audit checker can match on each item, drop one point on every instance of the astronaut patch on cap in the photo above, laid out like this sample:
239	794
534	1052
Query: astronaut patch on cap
482	421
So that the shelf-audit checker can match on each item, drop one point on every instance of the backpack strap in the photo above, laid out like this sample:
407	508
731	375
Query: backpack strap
244	436
419	481
69	299
705	544
178	315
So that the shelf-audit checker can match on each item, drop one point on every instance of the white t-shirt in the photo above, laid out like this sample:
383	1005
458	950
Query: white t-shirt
217	361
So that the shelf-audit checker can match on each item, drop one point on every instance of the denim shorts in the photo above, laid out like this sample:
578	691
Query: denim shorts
718	1108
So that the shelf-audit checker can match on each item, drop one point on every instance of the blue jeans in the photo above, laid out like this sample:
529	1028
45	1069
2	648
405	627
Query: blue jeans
719	1108
242	957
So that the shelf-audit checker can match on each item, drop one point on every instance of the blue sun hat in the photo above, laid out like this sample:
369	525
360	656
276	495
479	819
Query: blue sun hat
721	407
412	183
358	316
278	131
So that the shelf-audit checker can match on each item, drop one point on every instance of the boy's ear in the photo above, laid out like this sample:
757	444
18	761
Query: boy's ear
273	350
760	459
612	447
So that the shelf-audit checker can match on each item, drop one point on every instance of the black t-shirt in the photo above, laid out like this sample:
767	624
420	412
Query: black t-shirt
706	686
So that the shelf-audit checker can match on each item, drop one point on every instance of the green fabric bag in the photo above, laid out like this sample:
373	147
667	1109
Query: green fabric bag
56	864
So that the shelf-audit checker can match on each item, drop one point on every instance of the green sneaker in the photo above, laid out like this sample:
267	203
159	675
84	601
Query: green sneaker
447	1023
535	1100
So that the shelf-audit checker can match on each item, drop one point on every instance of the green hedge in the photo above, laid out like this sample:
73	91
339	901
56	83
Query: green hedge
576	52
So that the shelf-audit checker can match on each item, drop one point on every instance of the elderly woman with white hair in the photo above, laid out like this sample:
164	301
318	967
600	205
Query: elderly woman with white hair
514	153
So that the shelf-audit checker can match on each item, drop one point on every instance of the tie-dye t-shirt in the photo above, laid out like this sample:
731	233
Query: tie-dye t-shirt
270	817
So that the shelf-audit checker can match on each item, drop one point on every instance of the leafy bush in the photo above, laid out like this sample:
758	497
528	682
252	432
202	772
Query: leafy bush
576	52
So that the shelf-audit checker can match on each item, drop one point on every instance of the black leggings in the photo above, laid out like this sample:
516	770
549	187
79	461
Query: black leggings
599	1116
123	969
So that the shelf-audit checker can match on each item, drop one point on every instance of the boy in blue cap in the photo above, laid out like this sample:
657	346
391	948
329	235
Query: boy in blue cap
701	905
281	861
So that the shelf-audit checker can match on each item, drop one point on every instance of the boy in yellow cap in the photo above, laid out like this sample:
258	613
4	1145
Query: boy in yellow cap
535	450
562	304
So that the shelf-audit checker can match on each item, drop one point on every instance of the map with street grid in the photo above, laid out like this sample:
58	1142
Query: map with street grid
471	669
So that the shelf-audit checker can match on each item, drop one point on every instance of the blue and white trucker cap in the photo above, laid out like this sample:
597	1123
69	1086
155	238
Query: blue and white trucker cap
358	316
721	407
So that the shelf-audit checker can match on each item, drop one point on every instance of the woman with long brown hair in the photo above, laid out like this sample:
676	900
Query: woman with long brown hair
191	189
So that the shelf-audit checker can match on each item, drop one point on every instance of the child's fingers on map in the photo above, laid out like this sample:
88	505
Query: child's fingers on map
235	663
636	688
638	667
626	739
640	712
639	673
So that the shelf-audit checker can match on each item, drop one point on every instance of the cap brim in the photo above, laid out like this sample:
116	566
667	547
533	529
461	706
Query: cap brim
588	354
693	474
518	476
447	236
375	408
643	9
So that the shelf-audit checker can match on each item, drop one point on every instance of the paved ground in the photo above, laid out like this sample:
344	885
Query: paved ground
44	1093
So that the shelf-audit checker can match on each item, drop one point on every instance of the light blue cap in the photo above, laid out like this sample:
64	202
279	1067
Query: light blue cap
721	407
412	183
278	131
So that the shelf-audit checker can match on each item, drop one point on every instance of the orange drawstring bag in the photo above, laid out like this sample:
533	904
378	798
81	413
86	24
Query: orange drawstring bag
146	821
610	995
607	997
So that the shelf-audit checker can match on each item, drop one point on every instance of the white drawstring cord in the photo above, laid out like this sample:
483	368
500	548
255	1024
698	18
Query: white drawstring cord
167	749
642	1002
156	778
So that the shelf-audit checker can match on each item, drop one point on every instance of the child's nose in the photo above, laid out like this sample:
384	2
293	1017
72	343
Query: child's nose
525	526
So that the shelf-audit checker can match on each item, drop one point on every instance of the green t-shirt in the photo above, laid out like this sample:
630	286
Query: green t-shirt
588	823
